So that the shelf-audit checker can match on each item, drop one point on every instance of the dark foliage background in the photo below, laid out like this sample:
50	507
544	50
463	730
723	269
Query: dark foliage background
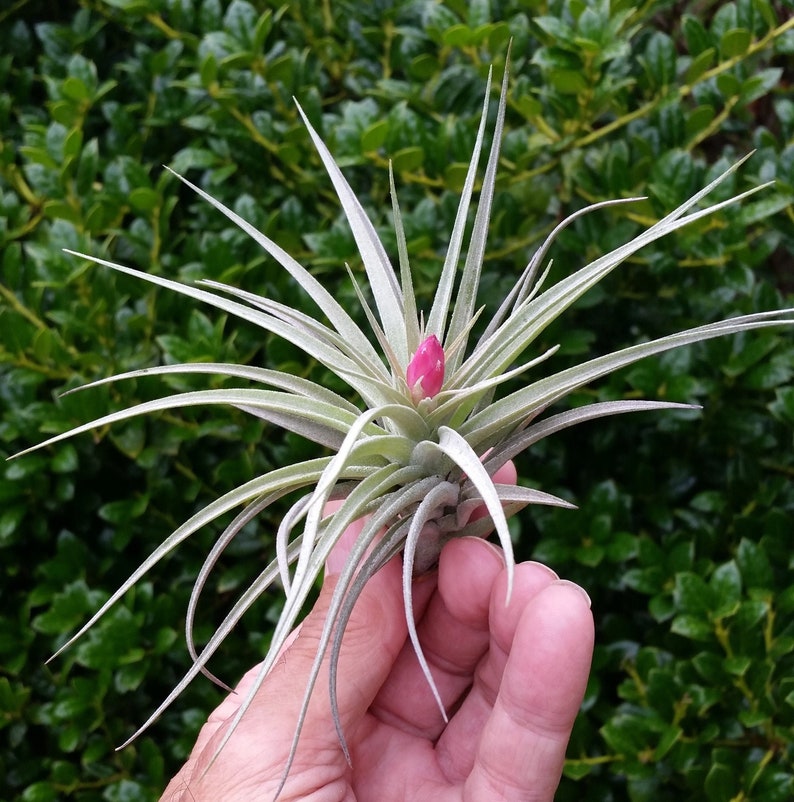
684	532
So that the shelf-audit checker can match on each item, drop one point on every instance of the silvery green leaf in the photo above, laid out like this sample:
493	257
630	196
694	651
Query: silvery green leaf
472	269
437	320
326	354
522	439
442	495
385	289
291	477
527	284
410	315
273	378
339	318
454	446
301	322
266	400
522	327
505	414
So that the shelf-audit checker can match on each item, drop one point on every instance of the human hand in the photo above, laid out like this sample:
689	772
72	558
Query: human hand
512	676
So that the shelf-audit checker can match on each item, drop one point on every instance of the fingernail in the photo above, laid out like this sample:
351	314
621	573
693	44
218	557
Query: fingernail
492	547
569	584
550	571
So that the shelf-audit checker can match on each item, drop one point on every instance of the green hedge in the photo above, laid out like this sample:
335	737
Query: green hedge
684	532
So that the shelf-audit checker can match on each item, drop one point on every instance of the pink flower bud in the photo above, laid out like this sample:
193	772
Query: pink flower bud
425	373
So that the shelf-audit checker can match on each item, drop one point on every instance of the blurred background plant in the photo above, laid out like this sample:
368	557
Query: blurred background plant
684	534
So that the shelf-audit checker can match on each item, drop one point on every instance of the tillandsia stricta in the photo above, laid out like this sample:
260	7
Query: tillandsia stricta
417	453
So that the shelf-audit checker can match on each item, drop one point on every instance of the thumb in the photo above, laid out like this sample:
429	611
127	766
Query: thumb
373	637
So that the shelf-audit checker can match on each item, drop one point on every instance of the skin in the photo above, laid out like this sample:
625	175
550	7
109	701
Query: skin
511	676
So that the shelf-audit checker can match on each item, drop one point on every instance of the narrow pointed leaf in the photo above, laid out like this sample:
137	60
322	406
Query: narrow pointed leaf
461	453
385	289
508	412
339	318
410	314
470	279
437	320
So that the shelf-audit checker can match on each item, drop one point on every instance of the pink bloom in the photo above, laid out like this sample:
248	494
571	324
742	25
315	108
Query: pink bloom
425	373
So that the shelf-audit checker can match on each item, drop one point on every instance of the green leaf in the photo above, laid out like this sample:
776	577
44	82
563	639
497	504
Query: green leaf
423	66
644	580
131	6
700	64
479	12
144	199
112	644
129	677
626	735
710	666
692	627
738	665
721	783
754	565
65	459
767	12
39	792
208	71
69	608
241	21
729	85
557	30
698	39
10	519
74	89
590	554
759	84
735	42
125	791
569	82
84	71
673	177
124	510
726	583
577	769
622	546
458	36
660	60
669	738
408	160
750	614
783	405
375	135
754	718
692	595
262	30
761	210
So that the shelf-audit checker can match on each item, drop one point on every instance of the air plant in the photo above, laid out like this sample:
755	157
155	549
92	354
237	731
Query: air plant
418	452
